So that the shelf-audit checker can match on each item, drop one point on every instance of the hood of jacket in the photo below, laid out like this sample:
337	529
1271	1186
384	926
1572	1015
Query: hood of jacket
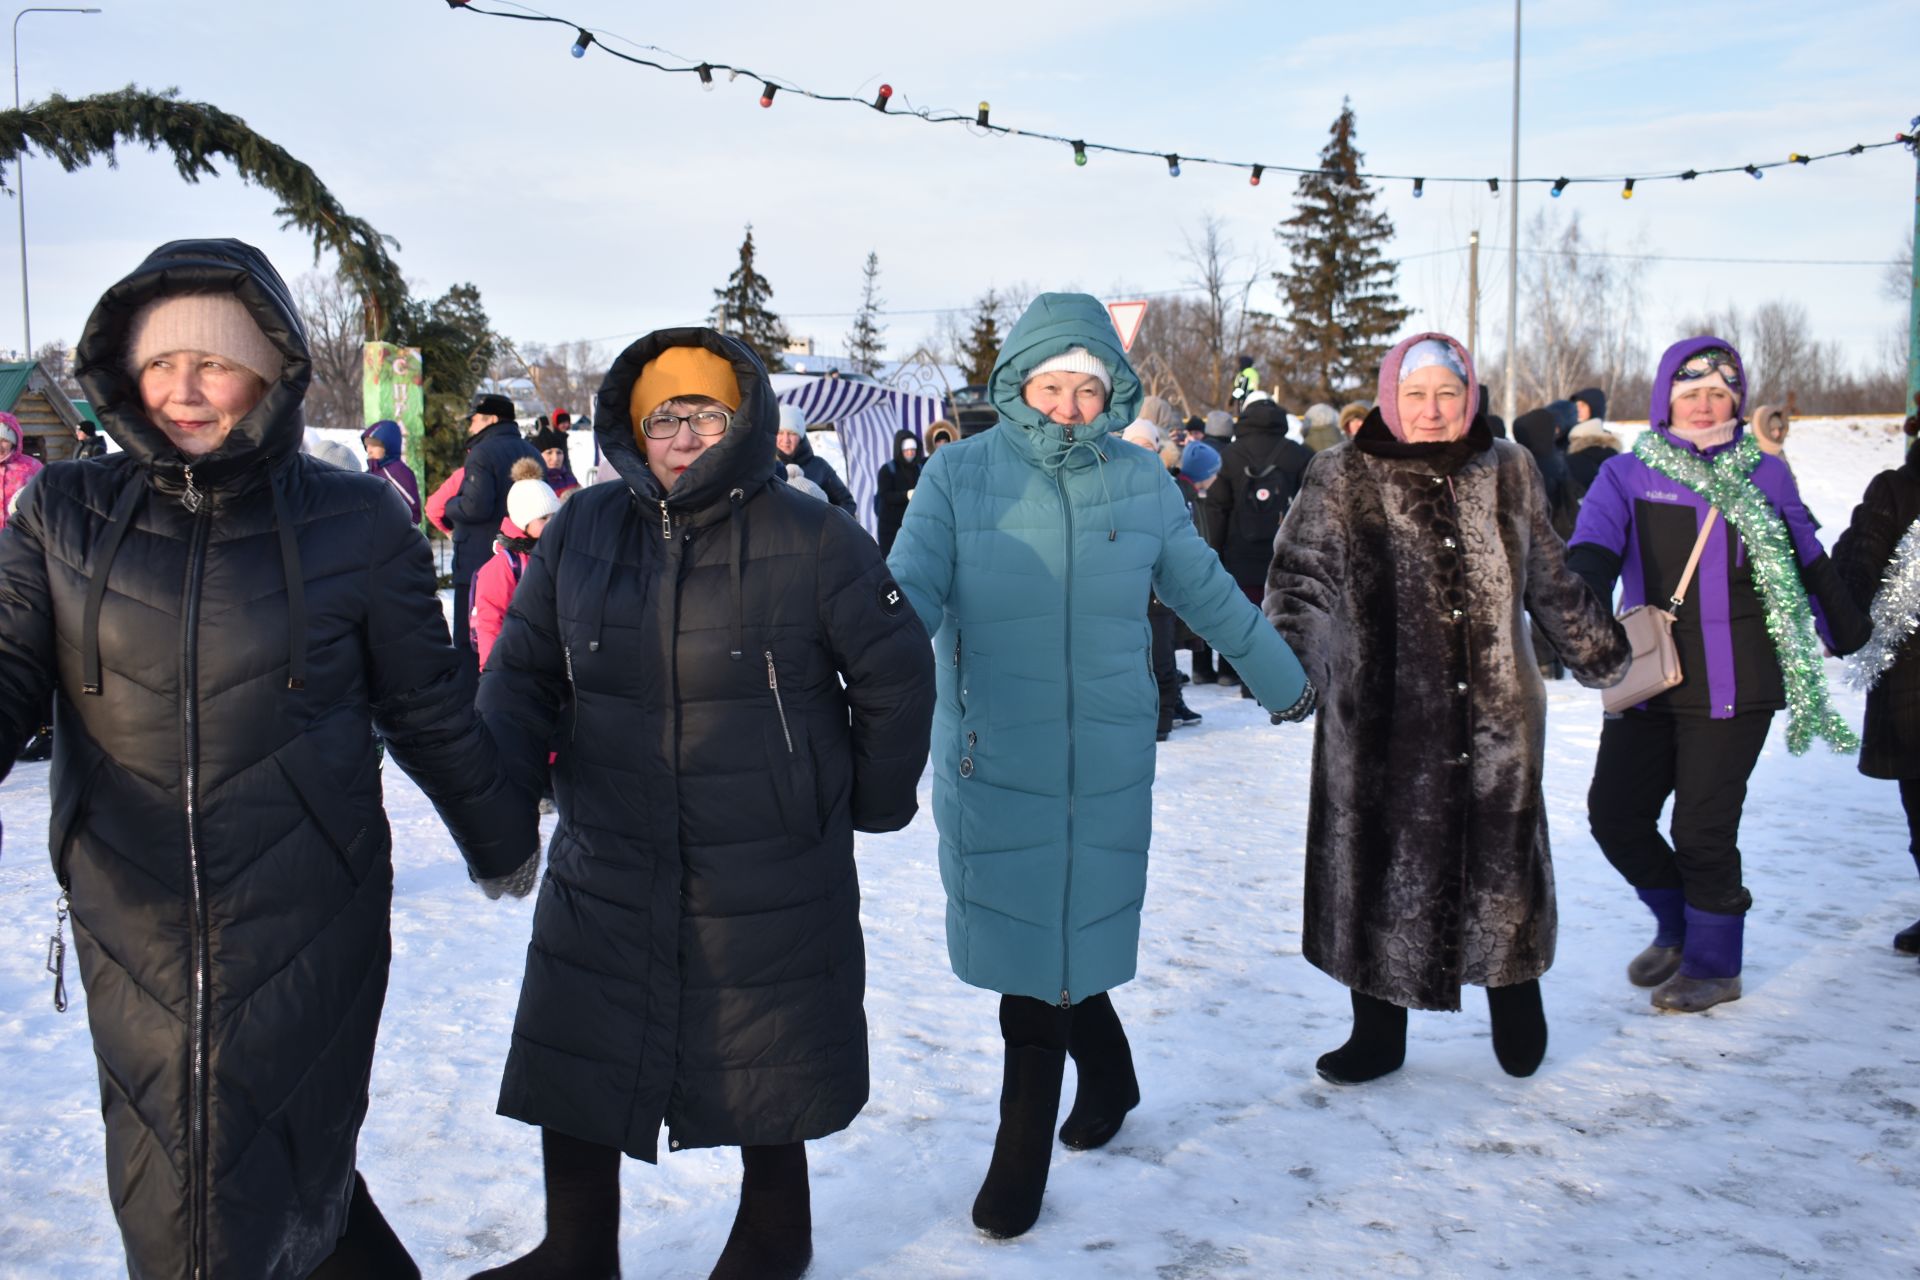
1592	434
741	459
386	434
1536	429
1660	402
802	453
1053	323
900	439
1262	416
271	430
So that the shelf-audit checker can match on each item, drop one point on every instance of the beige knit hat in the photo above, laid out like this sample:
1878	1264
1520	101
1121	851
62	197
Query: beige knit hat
216	323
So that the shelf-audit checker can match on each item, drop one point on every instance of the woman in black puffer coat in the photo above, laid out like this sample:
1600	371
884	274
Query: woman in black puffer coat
893	486
1890	738
681	639
225	623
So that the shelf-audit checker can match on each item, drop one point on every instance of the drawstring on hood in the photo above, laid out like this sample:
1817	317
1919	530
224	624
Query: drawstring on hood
109	547
738	532
296	584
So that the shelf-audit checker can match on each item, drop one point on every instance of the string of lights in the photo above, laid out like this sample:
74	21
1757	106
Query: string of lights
981	121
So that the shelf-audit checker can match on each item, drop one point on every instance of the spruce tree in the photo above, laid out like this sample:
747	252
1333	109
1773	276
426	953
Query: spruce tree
865	342
741	309
1342	308
983	340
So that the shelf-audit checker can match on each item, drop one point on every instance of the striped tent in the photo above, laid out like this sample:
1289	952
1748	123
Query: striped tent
865	415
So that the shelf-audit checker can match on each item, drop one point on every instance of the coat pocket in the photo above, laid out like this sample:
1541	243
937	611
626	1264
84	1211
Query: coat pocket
974	682
69	803
330	809
795	785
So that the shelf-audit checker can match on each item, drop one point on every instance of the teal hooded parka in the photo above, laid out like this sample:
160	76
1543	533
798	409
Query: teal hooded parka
1029	552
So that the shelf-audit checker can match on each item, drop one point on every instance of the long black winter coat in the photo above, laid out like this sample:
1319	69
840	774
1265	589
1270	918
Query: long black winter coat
1890	740
1241	522
217	820
696	951
896	479
476	511
821	472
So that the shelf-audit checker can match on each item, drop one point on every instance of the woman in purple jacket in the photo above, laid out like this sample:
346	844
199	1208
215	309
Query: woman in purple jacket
384	459
1763	601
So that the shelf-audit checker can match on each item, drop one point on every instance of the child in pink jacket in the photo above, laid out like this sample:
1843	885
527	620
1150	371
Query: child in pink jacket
16	468
530	504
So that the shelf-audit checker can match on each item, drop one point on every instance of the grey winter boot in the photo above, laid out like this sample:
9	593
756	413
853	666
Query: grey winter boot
1908	939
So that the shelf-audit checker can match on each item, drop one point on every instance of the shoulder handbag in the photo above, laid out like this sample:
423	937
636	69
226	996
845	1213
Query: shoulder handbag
1649	628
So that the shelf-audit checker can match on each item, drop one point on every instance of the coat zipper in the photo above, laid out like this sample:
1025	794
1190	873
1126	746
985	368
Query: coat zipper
666	522
190	724
773	683
1066	899
573	693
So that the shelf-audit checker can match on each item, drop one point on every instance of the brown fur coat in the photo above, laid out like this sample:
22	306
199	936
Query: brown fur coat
1402	589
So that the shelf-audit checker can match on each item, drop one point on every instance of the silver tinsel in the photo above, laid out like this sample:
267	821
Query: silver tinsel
1895	613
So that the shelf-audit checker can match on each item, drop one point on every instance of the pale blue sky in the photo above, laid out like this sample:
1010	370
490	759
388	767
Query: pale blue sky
589	198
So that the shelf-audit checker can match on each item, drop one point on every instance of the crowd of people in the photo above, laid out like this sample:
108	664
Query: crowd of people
714	676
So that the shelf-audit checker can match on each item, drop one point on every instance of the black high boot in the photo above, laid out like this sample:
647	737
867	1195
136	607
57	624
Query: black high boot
1036	1036
1519	1026
368	1249
772	1236
583	1215
1107	1088
1377	1047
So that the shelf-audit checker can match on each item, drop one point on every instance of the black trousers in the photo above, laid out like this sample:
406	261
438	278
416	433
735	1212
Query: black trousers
1910	801
462	624
1165	673
1704	765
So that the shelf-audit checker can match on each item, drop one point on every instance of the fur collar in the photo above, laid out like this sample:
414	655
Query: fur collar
1446	456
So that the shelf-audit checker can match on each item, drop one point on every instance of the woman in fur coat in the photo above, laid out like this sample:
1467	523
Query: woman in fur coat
1400	578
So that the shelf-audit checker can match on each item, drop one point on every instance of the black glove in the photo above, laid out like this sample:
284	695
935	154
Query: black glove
1302	707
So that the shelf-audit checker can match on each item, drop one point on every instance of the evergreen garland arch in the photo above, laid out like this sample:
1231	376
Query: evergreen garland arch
77	131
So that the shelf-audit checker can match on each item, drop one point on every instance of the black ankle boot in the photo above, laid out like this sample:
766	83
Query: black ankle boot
583	1215
1377	1047
368	1249
1036	1034
772	1236
1107	1088
1519	1027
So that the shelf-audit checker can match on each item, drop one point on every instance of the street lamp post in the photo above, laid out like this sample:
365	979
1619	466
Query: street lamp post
20	172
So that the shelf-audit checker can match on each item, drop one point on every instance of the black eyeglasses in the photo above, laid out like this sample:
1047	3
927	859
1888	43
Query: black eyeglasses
705	422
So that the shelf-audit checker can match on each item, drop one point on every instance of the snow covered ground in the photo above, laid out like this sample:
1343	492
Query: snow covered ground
1776	1136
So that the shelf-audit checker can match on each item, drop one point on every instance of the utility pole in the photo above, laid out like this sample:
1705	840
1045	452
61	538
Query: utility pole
1511	393
1913	312
1473	297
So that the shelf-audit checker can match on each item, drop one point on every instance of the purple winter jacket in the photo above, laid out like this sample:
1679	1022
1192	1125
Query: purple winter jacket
1646	524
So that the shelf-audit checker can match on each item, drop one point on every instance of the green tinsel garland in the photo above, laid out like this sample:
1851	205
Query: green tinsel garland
1726	484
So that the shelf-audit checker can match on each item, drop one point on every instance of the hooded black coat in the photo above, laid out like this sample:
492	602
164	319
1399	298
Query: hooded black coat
1240	525
476	511
896	479
697	954
821	472
1890	737
216	819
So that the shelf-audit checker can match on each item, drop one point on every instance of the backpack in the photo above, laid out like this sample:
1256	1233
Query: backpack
1260	503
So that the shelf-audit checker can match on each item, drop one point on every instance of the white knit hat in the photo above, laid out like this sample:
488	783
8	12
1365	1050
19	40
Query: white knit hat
1142	433
528	500
216	323
793	418
1073	360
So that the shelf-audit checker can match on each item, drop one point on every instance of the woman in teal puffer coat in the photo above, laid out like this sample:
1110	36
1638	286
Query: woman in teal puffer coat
1029	552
